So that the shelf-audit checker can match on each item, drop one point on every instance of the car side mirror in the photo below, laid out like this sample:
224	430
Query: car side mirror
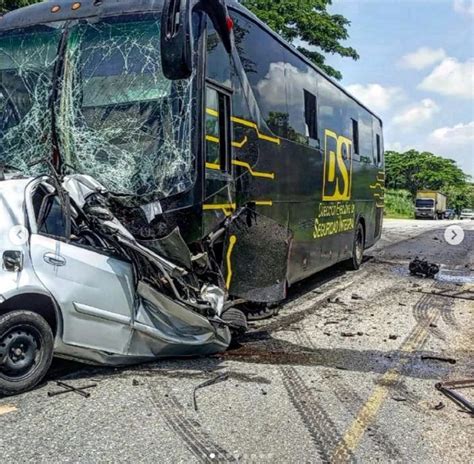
12	261
177	33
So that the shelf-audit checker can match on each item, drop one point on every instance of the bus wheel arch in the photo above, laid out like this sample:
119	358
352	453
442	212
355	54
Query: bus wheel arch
358	245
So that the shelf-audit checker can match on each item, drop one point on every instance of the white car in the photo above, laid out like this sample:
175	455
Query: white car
78	285
467	214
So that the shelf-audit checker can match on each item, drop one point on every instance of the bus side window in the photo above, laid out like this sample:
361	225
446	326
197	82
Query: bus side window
218	130
311	117
379	150
218	60
355	137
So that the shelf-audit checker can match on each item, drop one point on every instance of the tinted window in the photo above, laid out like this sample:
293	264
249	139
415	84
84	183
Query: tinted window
263	59
218	60
332	110
379	151
365	137
301	90
311	114
355	136
212	127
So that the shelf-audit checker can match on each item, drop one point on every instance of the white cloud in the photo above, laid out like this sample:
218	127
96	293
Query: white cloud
455	142
417	114
396	146
376	96
422	58
452	78
464	6
459	134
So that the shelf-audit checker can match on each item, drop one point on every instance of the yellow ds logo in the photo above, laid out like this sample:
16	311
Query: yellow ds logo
337	181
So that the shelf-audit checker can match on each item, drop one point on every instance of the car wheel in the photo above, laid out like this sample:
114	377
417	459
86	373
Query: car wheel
26	351
357	248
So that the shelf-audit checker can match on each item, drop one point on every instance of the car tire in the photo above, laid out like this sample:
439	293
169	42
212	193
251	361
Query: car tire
26	351
358	245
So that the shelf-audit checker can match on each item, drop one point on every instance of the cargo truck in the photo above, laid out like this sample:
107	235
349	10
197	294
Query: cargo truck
430	204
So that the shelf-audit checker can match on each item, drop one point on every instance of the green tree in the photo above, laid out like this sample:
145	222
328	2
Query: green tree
415	170
9	5
309	22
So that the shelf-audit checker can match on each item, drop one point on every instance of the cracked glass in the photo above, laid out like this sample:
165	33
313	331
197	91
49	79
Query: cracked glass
120	120
27	61
115	117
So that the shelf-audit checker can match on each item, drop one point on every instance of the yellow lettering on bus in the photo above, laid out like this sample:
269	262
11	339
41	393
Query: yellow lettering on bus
337	178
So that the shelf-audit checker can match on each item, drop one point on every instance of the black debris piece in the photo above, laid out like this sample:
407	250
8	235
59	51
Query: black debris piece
422	268
448	389
438	358
71	389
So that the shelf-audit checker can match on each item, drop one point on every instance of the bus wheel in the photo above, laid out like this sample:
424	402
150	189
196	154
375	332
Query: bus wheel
236	320
357	248
26	351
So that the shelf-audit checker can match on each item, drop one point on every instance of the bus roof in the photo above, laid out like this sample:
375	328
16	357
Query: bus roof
234	4
47	11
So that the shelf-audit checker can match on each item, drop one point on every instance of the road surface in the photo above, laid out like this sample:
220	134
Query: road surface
340	375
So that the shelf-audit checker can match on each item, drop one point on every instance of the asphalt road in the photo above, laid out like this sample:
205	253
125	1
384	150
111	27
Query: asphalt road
339	375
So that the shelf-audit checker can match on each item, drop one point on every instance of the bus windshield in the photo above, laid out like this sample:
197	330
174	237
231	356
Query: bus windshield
27	62
117	118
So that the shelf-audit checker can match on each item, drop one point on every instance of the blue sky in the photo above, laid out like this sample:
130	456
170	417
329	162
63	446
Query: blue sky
416	71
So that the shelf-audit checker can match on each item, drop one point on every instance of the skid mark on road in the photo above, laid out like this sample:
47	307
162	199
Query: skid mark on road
429	311
189	430
319	425
351	400
7	408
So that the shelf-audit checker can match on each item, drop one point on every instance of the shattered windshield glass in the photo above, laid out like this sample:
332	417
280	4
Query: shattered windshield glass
120	120
27	61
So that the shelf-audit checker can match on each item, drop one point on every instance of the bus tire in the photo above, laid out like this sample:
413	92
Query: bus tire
26	351
358	245
237	321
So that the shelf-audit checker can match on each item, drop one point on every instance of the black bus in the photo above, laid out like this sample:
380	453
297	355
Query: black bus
205	126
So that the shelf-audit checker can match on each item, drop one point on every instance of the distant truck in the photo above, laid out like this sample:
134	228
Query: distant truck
430	204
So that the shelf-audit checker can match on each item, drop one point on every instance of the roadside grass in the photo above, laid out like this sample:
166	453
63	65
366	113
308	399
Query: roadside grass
399	205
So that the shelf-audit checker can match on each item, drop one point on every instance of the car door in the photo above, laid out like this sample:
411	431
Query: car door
94	291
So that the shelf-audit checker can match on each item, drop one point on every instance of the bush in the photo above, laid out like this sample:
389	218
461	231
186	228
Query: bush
399	203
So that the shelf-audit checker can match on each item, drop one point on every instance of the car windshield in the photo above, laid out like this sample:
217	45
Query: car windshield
117	118
27	61
424	203
468	211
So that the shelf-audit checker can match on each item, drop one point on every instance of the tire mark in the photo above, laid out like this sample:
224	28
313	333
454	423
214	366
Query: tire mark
352	402
421	313
321	428
189	430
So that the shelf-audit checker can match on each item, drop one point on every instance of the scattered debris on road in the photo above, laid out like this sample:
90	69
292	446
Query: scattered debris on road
448	389
439	406
460	295
423	268
70	389
207	383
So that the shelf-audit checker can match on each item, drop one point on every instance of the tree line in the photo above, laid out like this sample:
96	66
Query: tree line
414	170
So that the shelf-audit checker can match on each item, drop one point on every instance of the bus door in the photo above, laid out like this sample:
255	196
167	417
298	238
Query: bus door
219	192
